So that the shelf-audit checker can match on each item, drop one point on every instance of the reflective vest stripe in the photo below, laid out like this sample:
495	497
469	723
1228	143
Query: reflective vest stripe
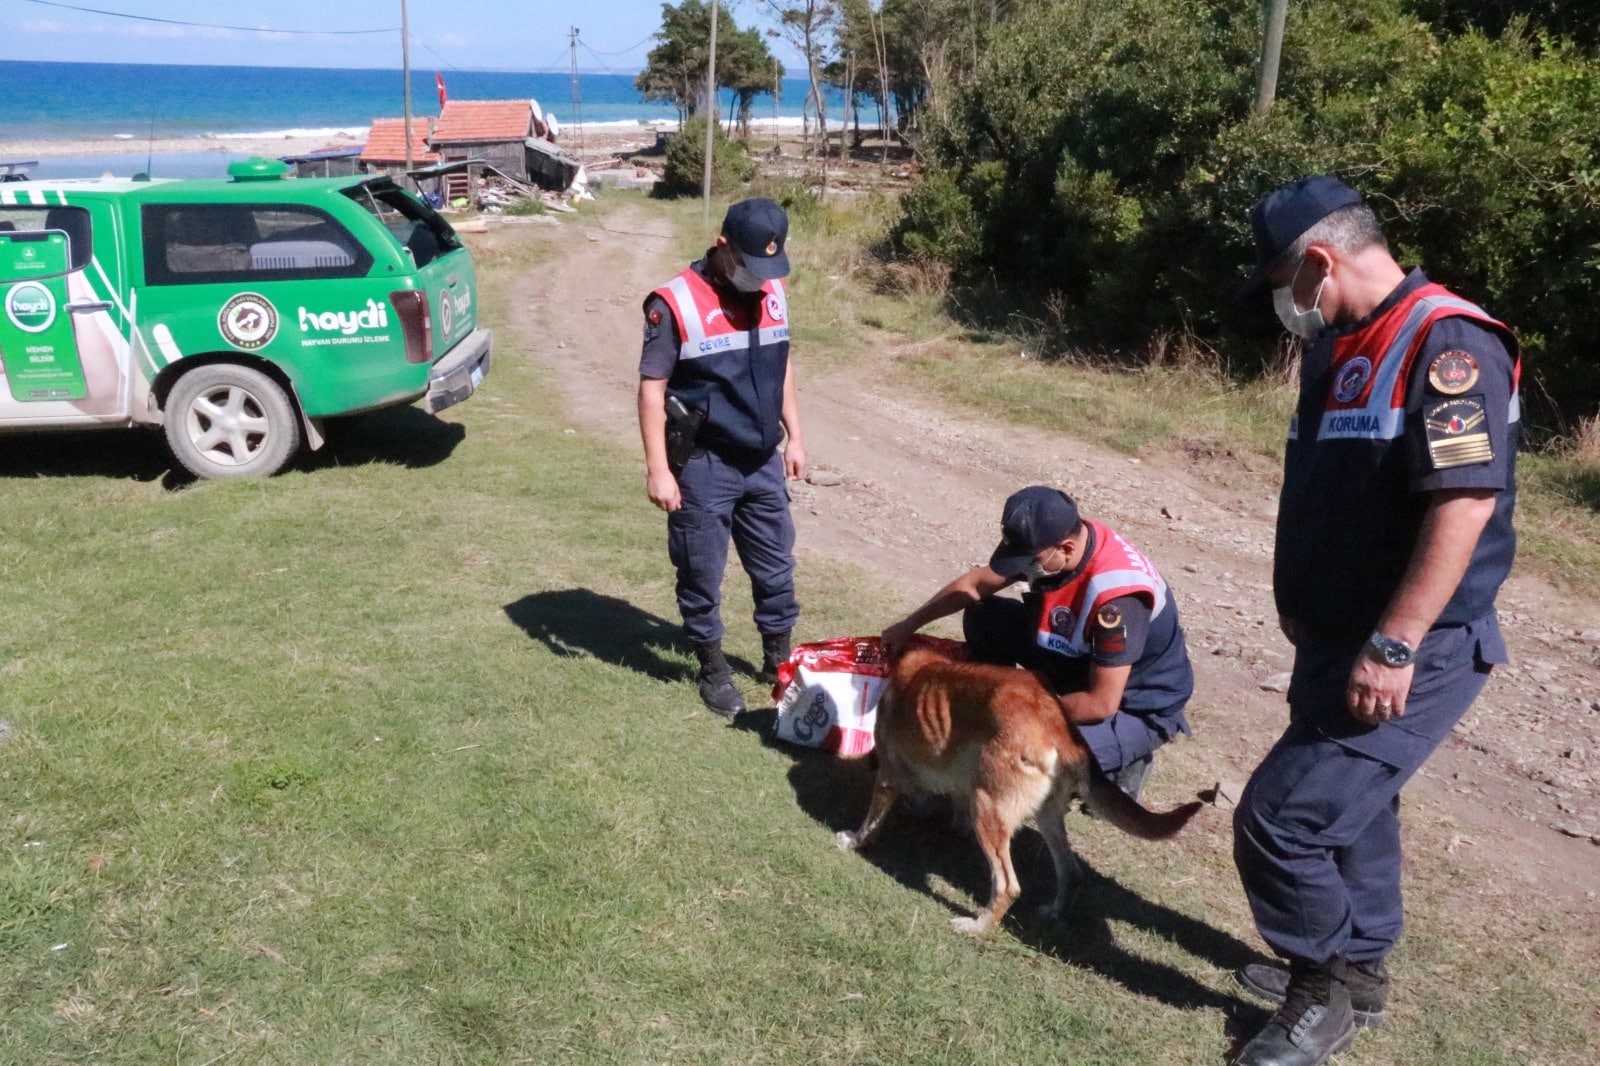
1383	415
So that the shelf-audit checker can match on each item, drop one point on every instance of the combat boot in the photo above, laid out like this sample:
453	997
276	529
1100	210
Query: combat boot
715	681
1368	984
1314	1024
774	653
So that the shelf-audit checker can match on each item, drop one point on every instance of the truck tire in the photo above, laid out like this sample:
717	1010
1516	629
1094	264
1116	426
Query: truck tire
224	420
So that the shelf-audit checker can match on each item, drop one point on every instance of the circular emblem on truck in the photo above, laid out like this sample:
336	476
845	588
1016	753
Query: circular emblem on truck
248	321
447	315
31	307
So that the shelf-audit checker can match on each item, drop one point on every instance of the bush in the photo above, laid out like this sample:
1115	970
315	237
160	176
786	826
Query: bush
731	165
1104	158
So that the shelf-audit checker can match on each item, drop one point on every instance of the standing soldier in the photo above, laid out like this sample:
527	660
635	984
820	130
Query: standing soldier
1394	534
716	399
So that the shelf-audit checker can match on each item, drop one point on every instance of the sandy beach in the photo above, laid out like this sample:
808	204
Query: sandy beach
602	141
597	141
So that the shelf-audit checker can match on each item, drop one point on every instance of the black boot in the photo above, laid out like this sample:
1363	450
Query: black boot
715	680
774	653
1314	1024
1368	984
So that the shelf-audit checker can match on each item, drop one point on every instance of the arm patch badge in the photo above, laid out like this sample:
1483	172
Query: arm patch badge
1109	617
1454	372
1458	433
652	324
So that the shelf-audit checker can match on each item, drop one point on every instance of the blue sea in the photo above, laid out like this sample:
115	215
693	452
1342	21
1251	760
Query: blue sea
138	102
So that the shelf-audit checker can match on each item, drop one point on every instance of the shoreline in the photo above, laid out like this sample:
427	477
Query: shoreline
596	137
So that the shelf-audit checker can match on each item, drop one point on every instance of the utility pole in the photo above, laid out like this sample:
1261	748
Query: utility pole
1277	12
711	113
577	102
405	67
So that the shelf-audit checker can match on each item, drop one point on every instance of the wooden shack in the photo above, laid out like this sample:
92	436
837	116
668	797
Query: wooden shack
336	161
482	131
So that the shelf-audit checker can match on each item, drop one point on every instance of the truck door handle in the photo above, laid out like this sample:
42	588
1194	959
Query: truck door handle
84	307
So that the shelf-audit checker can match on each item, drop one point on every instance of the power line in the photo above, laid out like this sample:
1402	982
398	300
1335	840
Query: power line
620	77
439	57
212	25
625	51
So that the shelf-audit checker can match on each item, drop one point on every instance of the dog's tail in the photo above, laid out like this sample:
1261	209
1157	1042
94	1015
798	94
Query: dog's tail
1125	812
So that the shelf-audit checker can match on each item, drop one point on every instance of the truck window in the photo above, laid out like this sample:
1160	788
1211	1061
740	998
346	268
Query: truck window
189	244
73	221
420	229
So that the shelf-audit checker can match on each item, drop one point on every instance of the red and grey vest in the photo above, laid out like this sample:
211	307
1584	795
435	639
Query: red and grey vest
1350	508
1115	569
733	353
1161	681
1372	366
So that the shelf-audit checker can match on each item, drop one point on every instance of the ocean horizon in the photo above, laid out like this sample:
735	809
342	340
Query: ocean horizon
135	101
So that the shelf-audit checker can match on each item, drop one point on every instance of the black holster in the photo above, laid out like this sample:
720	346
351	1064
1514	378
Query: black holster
683	427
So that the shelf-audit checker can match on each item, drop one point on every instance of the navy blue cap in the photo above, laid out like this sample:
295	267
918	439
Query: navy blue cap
1284	215
1034	519
759	228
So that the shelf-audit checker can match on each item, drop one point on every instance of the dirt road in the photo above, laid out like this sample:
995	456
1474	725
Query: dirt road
911	489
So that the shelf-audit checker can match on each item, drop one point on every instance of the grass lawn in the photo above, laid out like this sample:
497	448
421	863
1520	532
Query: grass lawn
393	759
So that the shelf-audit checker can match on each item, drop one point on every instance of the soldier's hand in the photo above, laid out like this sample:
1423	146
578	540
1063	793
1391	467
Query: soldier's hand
895	638
794	460
663	490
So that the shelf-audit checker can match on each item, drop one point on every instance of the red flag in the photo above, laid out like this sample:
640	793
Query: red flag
439	80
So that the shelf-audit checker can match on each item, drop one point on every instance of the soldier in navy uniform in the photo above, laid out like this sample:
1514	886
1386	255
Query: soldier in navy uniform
1394	535
715	379
1097	621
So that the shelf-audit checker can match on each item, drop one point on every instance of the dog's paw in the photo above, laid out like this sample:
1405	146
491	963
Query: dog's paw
970	926
846	840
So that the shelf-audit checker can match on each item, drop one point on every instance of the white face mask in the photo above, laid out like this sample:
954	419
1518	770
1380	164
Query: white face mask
1306	323
1035	572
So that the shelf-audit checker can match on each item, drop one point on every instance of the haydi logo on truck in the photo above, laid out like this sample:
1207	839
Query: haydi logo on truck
236	315
374	316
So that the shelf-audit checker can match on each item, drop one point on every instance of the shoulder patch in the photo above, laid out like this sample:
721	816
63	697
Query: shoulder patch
1109	617
1453	372
654	316
1458	433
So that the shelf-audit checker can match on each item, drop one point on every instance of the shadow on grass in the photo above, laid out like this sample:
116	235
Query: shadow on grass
920	852
572	622
127	454
407	436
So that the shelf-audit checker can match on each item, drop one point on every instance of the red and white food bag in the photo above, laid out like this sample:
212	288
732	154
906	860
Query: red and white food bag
827	693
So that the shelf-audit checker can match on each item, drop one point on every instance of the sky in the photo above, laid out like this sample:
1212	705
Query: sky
613	35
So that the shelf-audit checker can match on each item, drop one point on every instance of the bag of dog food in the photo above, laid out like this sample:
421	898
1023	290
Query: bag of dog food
827	693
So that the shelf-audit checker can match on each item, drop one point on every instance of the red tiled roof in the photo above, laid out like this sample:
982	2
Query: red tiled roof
386	142
469	121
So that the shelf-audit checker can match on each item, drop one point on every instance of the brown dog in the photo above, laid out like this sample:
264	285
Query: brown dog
995	740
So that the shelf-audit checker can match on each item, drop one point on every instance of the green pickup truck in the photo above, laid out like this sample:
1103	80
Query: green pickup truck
238	315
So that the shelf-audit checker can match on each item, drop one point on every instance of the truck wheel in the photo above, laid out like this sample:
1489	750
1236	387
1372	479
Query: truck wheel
224	420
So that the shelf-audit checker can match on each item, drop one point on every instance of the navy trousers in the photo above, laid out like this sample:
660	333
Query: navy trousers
1317	831
749	504
1001	630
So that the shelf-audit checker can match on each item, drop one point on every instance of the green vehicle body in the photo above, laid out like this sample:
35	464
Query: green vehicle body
309	299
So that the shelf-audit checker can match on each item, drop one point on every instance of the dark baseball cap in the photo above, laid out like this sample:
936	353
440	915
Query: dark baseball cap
1285	214
759	228
1034	518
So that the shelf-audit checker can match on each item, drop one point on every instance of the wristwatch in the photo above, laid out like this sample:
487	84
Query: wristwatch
1391	652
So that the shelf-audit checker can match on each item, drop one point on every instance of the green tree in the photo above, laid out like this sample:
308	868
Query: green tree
675	69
